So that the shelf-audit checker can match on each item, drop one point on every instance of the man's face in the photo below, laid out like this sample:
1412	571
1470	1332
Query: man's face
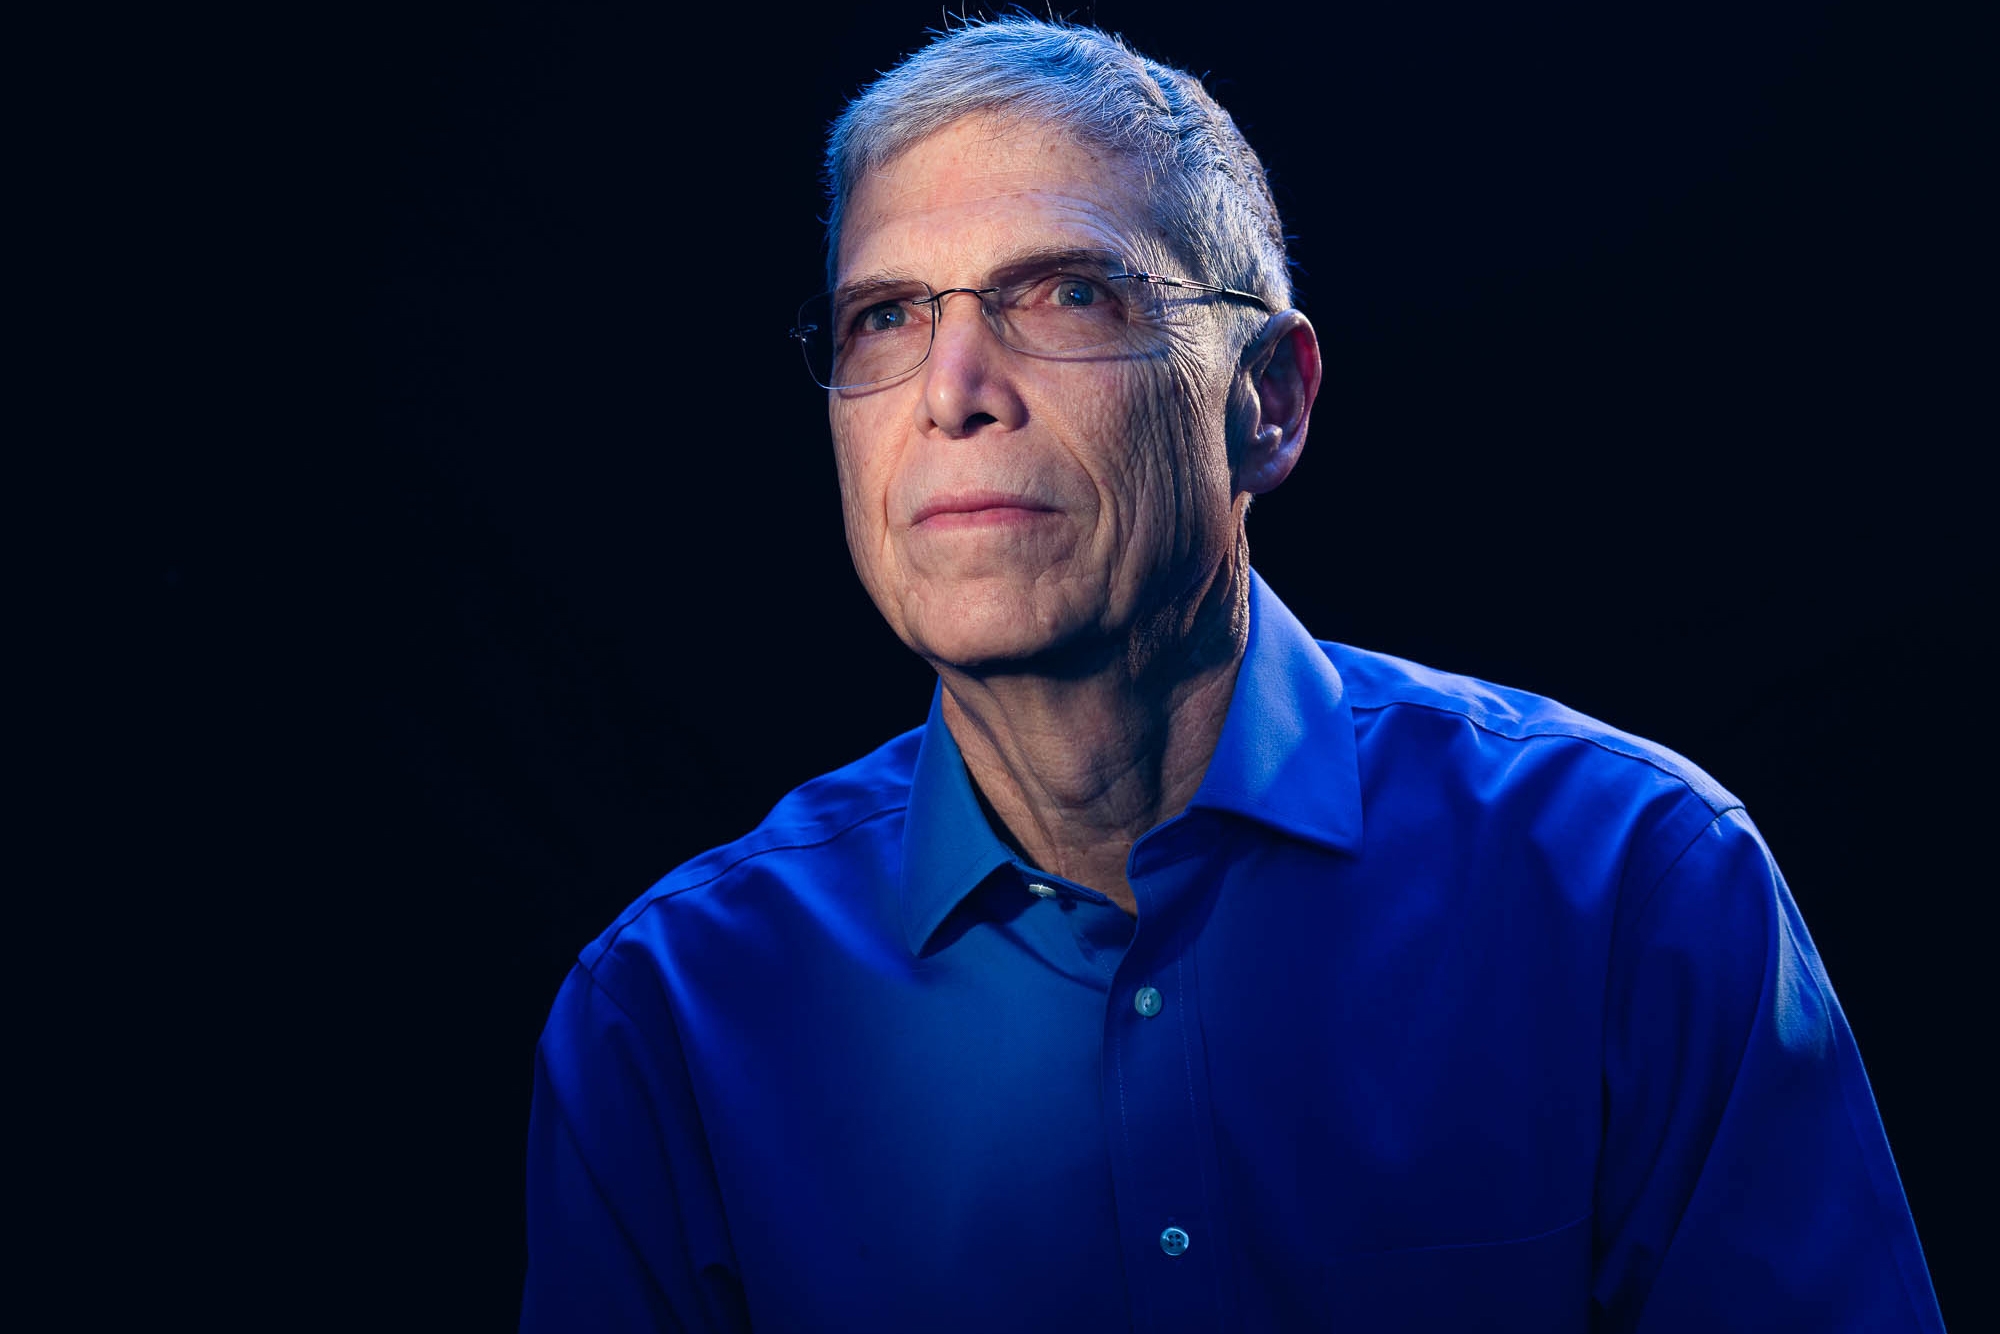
1086	495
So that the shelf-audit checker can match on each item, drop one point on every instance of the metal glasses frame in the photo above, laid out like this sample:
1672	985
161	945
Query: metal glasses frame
799	333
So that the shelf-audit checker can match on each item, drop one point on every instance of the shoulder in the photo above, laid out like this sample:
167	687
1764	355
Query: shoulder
1512	778
1412	698
836	828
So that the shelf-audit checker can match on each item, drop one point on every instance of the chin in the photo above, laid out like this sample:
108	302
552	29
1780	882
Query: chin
973	621
972	645
993	637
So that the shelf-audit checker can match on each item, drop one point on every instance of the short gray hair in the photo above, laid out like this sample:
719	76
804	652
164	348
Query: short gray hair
1210	195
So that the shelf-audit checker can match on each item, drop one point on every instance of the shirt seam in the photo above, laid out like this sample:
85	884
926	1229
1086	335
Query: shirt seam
1565	734
1604	1024
1898	1254
612	996
666	894
687	1076
1639	908
1636	911
594	1177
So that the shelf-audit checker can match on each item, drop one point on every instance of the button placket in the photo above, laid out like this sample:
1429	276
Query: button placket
1161	1123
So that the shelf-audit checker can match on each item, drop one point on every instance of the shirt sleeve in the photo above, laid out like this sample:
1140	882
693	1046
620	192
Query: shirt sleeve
1746	1182
625	1221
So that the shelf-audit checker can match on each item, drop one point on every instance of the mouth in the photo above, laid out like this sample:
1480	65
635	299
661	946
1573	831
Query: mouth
978	509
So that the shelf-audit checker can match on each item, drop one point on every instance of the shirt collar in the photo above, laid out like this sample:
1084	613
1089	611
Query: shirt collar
948	846
1286	759
1287	756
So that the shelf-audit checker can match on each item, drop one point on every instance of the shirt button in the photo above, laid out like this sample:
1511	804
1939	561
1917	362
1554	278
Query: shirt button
1147	1002
1042	891
1173	1241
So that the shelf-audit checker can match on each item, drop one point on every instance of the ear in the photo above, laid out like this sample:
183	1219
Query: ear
1282	368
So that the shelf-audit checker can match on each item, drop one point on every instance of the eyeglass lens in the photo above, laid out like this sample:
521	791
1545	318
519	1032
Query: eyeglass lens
859	338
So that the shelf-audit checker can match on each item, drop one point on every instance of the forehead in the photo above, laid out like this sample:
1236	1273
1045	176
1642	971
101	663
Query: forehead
983	188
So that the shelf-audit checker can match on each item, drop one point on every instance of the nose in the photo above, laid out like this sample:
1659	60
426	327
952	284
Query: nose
968	381
978	294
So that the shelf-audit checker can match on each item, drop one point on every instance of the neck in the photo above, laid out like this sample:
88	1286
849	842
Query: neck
1074	766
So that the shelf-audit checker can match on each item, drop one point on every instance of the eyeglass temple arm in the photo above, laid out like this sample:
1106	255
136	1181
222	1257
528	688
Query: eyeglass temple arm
1161	280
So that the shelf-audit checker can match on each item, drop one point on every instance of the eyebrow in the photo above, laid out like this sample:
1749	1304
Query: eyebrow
1014	266
848	293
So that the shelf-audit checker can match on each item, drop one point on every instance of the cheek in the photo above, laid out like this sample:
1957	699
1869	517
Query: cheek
1168	465
863	477
1196	428
860	467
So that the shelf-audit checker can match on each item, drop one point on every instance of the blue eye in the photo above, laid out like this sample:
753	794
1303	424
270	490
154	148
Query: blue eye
880	319
1075	292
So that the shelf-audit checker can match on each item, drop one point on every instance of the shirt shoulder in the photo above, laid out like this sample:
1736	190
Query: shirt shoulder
1379	683
808	825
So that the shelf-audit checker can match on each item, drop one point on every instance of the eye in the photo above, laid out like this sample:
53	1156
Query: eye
1075	292
882	318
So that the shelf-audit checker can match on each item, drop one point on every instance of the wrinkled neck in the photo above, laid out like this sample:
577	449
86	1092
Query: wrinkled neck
1074	766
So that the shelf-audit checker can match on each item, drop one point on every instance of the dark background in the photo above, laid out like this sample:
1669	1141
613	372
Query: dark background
483	558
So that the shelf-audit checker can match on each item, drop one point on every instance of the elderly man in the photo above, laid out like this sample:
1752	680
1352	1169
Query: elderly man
1181	972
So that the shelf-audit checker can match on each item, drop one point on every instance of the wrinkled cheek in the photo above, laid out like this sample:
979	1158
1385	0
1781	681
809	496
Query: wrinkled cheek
862	492
1162	484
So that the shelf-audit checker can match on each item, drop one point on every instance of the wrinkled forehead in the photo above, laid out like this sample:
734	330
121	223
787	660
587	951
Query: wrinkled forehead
985	187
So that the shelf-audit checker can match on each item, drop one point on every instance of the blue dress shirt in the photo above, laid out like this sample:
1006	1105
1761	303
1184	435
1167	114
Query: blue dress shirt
1446	1008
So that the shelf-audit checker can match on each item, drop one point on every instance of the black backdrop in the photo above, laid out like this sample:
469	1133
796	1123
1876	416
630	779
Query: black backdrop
514	575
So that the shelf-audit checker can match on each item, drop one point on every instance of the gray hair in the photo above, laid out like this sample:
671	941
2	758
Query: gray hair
1209	192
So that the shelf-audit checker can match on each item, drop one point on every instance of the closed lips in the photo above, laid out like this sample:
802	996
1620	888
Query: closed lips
973	502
